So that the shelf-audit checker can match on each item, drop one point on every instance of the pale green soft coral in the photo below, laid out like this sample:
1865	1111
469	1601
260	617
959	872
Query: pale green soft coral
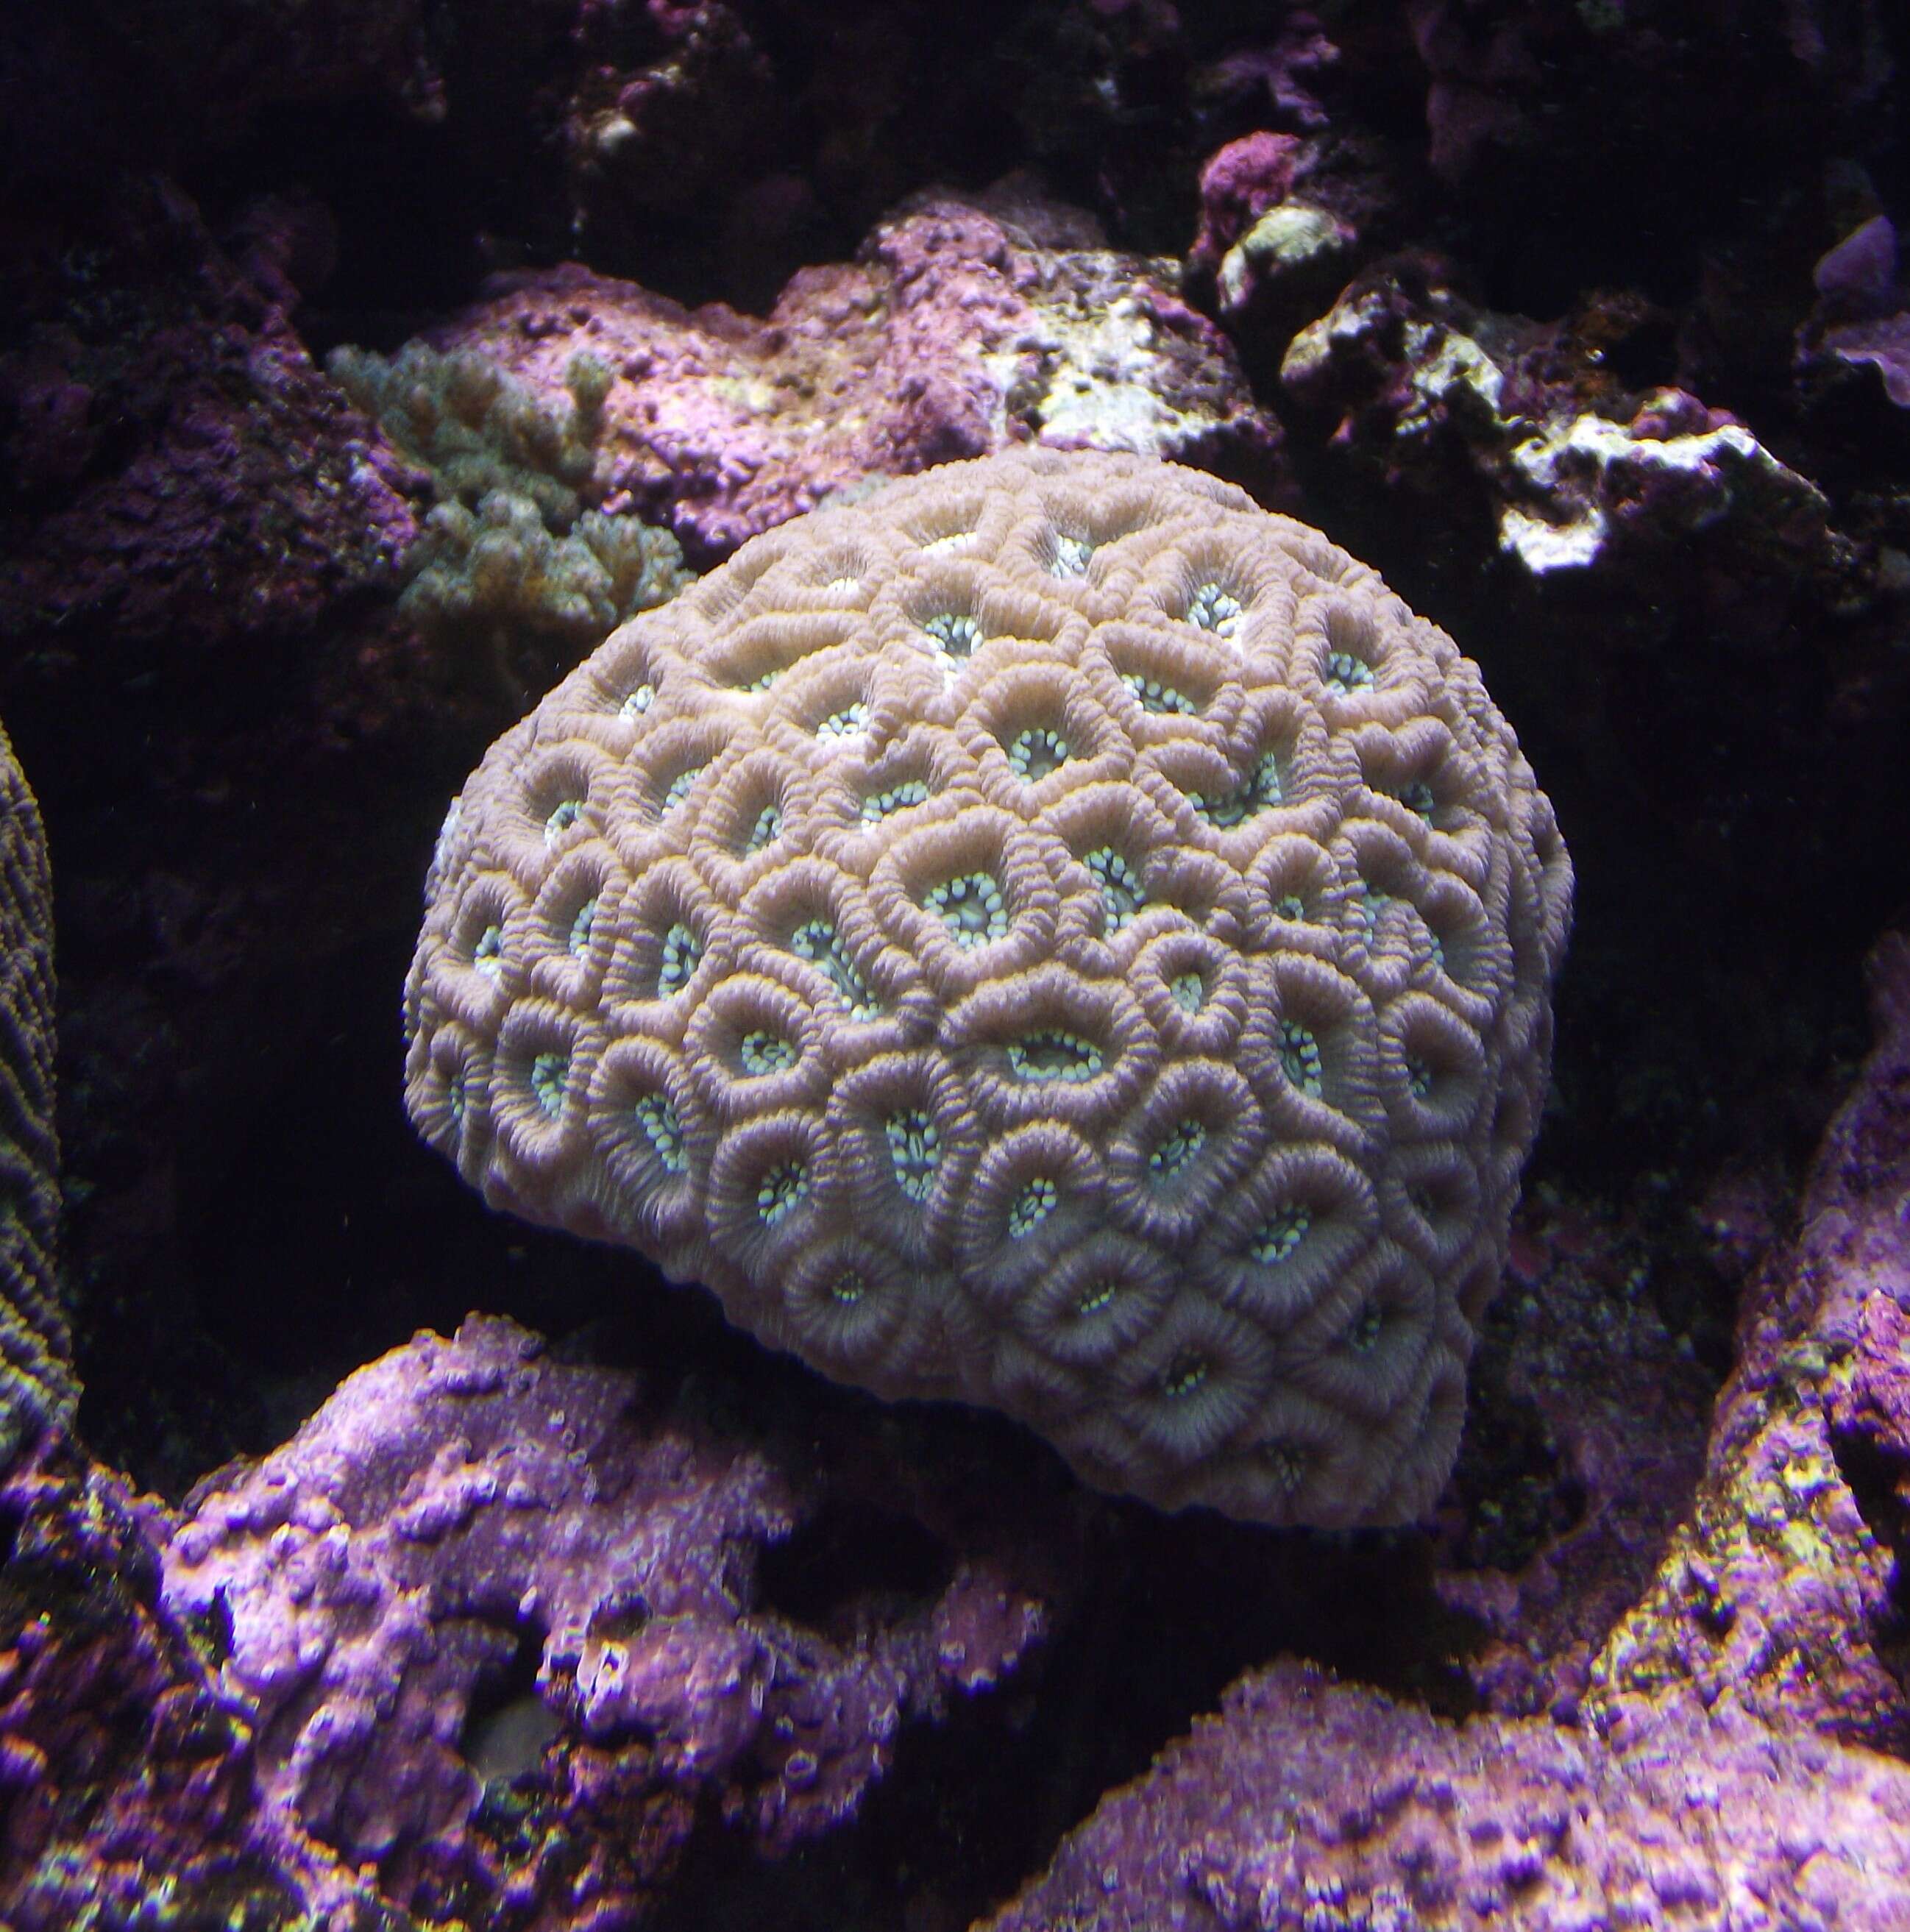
511	559
477	428
497	574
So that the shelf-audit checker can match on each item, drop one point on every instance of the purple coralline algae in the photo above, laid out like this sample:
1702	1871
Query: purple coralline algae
1284	219
1779	1597
128	1797
459	1502
1424	389
189	475
961	328
1862	319
1307	1806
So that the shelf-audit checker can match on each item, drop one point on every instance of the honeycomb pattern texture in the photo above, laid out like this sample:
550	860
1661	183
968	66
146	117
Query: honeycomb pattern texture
1052	934
38	1389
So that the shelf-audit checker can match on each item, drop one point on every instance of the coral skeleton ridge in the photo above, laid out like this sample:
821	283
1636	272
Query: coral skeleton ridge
38	1389
1051	934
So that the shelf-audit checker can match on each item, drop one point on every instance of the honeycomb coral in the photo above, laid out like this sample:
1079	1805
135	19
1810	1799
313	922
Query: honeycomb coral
37	1387
1052	934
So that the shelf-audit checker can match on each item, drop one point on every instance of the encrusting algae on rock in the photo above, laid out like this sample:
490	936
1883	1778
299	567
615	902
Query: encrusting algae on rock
1052	934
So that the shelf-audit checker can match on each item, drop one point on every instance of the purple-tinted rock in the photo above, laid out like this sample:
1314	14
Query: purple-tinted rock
1305	1805
1281	74
1780	1597
193	477
1283	220
1861	269
1862	319
1624	1411
961	328
128	1795
1426	392
460	1499
196	559
1883	345
674	104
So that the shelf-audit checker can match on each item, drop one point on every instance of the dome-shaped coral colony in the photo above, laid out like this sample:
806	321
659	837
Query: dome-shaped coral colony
1053	934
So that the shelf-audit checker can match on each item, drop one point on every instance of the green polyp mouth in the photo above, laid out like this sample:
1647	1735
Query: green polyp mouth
780	1192
845	723
550	1075
1185	1375
1122	895
1035	753
1071	556
640	700
764	833
956	637
1053	1055
682	952
664	1132
1162	699
914	1152
1261	793
896	798
1178	1151
581	926
971	906
1096	1296
1214	608
1372	903
1189	991
1032	1206
849	1287
1285	1463
488	955
1347	674
563	816
821	945
1279	1234
1300	1059
680	786
762	1053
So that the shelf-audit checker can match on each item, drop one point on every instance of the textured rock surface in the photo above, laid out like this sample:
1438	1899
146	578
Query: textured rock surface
1285	220
190	478
128	1791
1309	1807
1781	1596
1577	473
460	1501
1549	1558
963	326
1053	934
37	1388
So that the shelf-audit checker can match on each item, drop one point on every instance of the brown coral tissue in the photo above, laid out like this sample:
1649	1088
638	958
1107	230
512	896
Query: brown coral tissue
1052	933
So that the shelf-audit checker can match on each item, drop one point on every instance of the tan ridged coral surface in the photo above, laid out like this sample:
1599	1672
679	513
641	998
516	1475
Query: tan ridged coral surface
1052	934
38	1389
